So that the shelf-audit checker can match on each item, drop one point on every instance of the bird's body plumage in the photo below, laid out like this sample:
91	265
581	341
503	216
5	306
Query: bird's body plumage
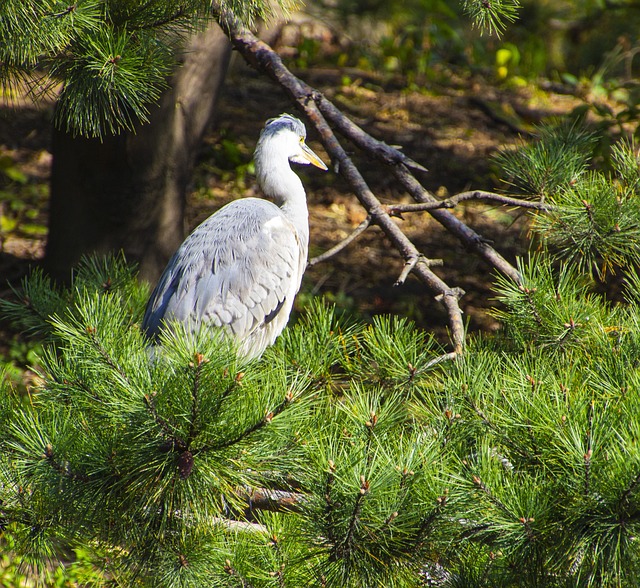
242	267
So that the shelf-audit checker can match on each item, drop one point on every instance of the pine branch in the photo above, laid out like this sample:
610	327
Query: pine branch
379	150
234	525
344	547
487	422
589	453
199	360
329	504
493	499
370	426
68	10
233	572
506	439
63	468
80	385
252	428
178	14
166	427
427	522
492	15
106	357
630	489
531	304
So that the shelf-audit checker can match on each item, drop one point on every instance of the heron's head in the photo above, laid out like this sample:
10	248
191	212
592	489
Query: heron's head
286	135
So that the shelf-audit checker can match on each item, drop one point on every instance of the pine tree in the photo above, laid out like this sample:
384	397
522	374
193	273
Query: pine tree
349	455
152	459
113	58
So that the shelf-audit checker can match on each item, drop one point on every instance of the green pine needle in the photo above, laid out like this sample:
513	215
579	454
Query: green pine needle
492	16
557	159
517	463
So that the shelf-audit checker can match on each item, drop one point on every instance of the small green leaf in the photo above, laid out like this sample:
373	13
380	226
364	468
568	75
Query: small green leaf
503	56
7	223
33	230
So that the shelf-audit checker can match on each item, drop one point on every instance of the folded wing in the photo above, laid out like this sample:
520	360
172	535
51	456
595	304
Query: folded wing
239	270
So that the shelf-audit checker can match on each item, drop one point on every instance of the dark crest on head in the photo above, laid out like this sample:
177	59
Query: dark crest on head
284	121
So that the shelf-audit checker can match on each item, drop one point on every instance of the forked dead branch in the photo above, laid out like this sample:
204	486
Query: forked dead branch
325	117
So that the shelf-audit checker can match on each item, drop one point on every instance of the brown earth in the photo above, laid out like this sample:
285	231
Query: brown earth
453	127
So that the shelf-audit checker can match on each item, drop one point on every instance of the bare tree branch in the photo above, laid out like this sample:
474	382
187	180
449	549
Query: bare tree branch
452	201
393	158
361	228
318	110
470	239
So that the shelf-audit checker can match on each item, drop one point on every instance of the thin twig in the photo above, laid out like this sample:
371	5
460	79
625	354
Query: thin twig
436	360
361	228
453	201
412	262
68	10
407	269
482	416
273	500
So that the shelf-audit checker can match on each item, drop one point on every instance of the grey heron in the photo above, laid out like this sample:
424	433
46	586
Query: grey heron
240	270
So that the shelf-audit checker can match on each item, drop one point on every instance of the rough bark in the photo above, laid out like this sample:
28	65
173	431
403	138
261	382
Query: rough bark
128	192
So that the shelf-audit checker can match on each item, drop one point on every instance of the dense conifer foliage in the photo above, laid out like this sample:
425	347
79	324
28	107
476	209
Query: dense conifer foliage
350	454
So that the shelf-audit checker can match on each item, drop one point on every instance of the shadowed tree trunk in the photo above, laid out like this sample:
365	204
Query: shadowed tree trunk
128	192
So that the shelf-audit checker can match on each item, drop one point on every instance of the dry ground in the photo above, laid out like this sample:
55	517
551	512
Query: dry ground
453	130
452	127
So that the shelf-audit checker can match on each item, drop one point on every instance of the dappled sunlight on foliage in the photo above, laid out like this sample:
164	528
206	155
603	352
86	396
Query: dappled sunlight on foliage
366	447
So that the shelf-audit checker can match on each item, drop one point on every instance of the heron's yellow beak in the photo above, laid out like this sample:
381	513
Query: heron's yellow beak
311	157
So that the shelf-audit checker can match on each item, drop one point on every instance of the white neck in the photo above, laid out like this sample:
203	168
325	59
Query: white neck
280	182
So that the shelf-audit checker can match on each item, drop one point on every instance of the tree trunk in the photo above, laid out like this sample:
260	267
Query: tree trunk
128	192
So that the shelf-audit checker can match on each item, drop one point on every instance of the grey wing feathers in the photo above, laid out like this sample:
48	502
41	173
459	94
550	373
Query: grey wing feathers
234	271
